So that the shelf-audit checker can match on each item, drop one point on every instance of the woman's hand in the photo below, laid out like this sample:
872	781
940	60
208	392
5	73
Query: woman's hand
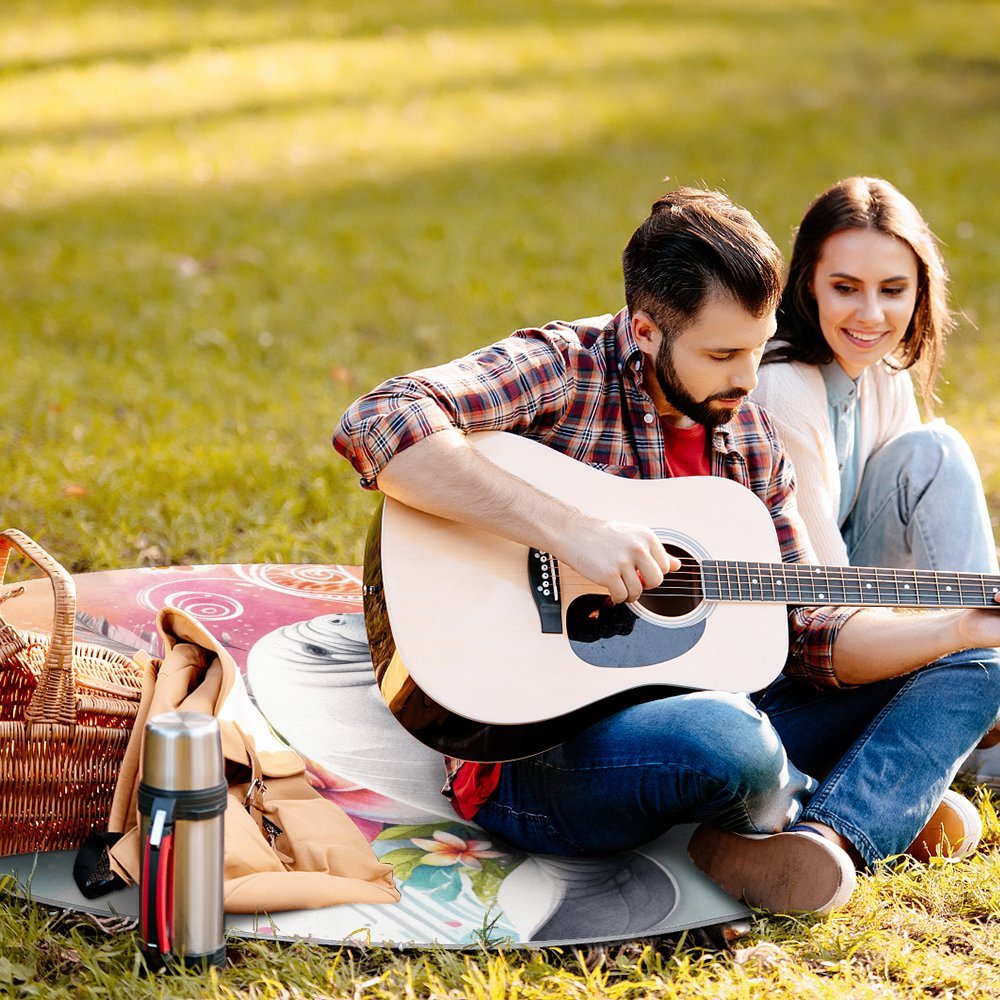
980	627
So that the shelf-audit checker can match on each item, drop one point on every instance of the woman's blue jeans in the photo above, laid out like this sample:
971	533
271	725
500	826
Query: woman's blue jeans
921	506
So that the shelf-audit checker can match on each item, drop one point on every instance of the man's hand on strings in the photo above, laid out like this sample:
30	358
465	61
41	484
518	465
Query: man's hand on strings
624	558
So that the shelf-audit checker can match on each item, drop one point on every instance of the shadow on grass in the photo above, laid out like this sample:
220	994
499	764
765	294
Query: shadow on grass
228	25
178	355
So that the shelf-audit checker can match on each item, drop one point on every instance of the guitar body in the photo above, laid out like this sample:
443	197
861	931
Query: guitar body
466	663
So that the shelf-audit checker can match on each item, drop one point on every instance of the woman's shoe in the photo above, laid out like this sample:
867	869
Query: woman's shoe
953	831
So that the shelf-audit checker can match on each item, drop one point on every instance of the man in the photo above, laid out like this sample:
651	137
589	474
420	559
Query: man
853	748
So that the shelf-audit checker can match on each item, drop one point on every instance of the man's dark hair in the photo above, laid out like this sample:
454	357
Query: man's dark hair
694	244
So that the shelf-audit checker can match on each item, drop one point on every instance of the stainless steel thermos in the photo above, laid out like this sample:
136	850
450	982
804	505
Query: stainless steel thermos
182	800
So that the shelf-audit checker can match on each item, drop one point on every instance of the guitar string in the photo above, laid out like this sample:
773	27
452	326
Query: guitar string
809	571
834	599
688	581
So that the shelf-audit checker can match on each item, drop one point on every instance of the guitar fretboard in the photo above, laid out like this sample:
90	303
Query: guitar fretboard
794	583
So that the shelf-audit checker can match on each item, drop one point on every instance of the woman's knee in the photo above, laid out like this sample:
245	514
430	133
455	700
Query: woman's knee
923	454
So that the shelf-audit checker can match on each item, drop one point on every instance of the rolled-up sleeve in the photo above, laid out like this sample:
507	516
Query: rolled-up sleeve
515	384
812	632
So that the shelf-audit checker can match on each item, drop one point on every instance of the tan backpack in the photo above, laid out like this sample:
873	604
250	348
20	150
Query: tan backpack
286	847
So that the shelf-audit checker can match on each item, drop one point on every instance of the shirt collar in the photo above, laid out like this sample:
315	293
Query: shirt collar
840	387
722	440
630	357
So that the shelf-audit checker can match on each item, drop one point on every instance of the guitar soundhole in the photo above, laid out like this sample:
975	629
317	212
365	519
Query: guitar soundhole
680	593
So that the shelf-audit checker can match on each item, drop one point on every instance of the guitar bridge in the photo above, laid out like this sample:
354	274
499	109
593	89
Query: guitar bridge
543	578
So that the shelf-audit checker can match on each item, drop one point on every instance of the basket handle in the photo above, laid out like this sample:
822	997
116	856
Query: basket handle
54	700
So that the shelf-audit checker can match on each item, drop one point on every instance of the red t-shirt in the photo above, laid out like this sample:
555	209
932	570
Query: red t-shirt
686	455
686	450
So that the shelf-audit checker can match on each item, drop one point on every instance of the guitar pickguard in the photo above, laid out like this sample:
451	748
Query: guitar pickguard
612	635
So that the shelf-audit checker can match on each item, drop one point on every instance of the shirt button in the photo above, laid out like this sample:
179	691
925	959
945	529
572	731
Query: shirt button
648	418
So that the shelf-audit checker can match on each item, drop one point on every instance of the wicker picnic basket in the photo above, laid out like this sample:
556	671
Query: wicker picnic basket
66	712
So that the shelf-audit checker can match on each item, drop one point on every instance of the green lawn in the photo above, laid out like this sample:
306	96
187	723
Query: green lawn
221	221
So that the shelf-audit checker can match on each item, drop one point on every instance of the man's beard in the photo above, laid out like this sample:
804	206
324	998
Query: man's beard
680	399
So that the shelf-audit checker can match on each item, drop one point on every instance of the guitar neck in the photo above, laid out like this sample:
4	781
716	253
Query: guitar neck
801	583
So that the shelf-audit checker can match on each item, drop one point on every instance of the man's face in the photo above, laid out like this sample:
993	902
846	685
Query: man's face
703	374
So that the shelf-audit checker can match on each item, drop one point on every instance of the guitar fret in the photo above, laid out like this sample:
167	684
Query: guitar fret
949	589
789	575
814	585
763	574
830	593
851	584
771	596
778	588
909	592
706	569
815	577
799	596
924	595
806	584
715	581
968	588
729	583
991	587
867	586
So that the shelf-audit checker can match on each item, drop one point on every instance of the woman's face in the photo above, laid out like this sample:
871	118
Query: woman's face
865	285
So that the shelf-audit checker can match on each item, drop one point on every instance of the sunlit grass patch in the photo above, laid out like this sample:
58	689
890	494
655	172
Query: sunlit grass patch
220	222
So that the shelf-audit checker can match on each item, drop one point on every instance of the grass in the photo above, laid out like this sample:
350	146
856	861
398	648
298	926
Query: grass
221	221
908	932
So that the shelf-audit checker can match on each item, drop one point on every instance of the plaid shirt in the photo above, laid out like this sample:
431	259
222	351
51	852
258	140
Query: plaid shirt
577	387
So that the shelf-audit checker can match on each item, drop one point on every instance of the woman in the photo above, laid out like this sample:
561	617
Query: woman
864	306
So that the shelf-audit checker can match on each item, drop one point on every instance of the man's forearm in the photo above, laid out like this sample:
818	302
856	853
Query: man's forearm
444	475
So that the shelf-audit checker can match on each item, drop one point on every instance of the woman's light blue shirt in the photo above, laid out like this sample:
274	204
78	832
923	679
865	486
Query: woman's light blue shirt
842	402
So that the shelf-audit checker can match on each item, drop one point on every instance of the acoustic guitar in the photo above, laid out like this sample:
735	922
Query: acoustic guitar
488	650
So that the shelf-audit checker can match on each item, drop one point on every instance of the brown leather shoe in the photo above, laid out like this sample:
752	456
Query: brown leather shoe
788	872
953	832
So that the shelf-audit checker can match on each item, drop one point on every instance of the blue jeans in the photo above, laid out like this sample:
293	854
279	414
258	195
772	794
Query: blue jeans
884	753
921	506
694	757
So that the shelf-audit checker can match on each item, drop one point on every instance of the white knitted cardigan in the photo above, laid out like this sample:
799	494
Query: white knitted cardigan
794	395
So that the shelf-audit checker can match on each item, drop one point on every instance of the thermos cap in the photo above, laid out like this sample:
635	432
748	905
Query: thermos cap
182	752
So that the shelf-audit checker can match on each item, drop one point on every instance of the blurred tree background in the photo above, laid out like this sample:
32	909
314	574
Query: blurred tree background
222	221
